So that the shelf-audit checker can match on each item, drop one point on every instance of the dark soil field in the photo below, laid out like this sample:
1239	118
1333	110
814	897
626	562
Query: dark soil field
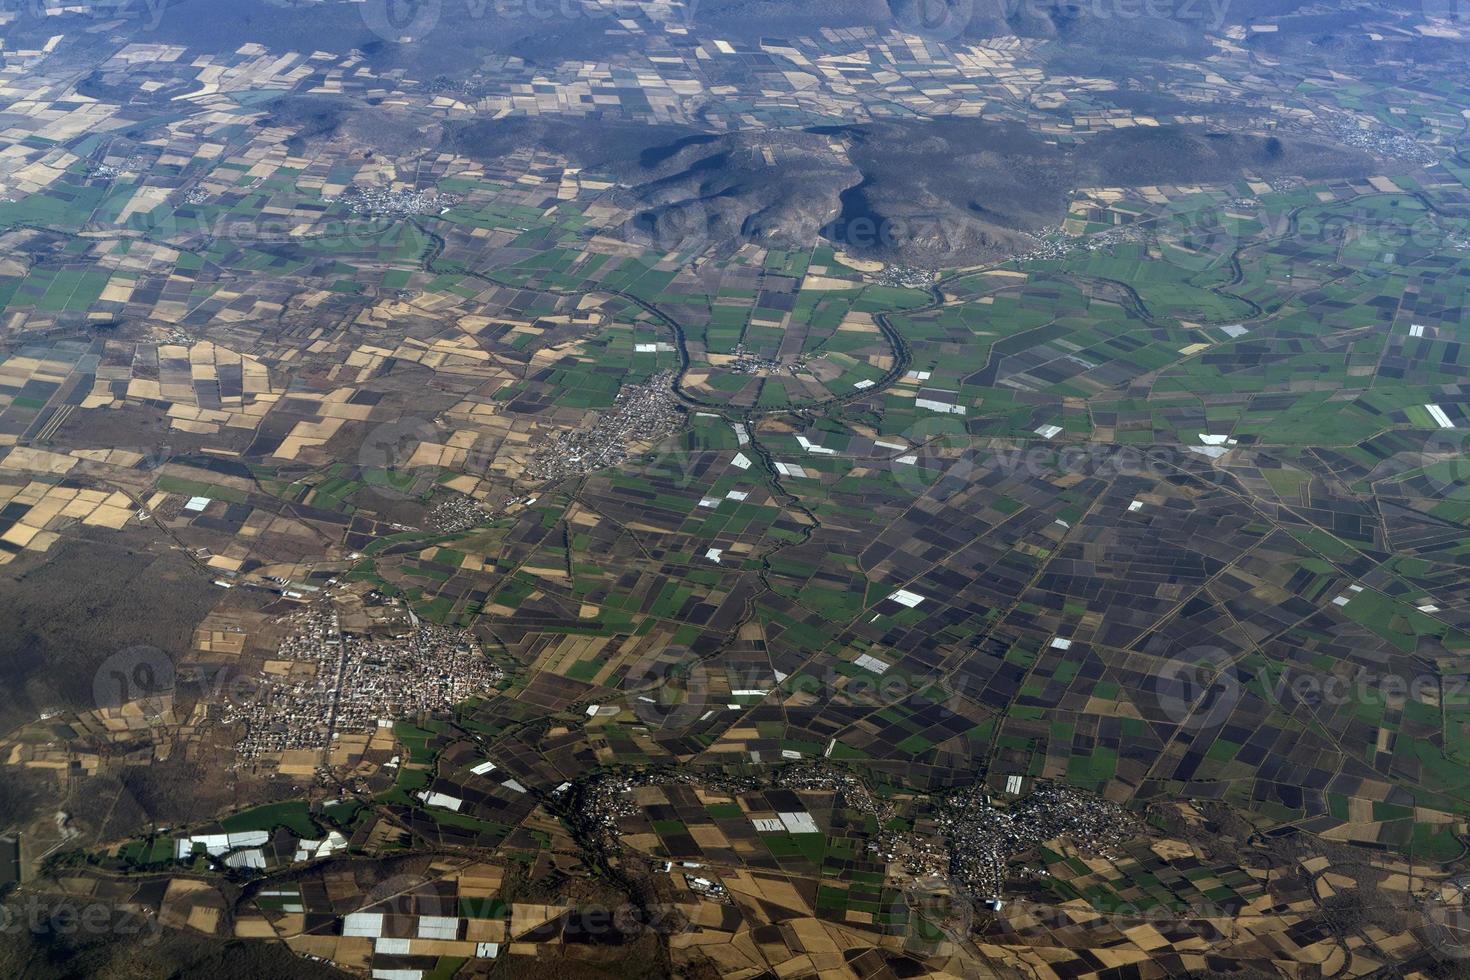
93	597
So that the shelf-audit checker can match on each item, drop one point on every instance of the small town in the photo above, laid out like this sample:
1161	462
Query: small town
335	682
640	414
387	202
983	840
455	513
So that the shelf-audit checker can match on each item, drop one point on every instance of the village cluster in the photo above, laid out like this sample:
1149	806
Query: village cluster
641	414
326	682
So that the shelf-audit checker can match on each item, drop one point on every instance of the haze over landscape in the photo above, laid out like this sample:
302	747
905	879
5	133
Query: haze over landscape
858	489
